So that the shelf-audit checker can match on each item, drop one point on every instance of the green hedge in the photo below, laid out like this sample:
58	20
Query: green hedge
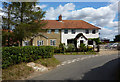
15	55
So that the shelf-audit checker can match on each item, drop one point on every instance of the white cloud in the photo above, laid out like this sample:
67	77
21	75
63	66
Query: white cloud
102	17
1	13
41	6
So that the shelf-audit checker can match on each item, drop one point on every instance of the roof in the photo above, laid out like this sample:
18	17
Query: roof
68	24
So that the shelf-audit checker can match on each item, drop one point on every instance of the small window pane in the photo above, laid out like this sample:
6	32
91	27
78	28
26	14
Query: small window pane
66	31
40	43
26	43
93	31
52	42
90	42
56	31
73	31
49	31
87	31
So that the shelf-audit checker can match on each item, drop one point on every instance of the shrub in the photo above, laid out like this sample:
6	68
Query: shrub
90	48
70	48
15	55
62	48
83	47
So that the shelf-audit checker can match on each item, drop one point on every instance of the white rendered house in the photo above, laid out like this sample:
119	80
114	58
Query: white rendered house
67	32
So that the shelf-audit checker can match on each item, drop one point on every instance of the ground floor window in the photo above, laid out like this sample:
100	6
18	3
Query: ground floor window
40	43
26	43
90	42
70	41
52	42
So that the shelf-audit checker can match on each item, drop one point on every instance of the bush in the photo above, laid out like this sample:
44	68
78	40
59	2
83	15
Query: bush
70	48
90	48
15	55
83	47
62	48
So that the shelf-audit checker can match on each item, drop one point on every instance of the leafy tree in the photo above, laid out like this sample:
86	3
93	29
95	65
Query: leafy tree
22	18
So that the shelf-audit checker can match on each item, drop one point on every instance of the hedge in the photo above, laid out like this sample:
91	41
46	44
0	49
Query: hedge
15	55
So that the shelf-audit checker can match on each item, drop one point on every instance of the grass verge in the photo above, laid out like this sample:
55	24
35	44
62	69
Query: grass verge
77	53
48	62
16	72
21	71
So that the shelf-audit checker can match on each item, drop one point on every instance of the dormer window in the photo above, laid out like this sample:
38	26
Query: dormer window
49	31
73	31
66	31
87	31
93	31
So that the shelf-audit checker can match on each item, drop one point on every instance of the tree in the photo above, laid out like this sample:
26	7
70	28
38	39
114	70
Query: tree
23	16
117	38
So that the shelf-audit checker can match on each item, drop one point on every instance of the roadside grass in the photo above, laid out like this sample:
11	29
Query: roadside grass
48	62
77	53
22	71
16	72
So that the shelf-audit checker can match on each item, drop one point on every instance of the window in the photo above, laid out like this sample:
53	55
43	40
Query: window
40	43
52	42
66	31
93	31
49	31
73	31
56	31
87	31
90	42
26	43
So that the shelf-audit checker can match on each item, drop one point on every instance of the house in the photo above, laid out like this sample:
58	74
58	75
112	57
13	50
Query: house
67	32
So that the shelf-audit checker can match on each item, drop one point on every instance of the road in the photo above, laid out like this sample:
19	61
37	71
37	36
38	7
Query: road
95	68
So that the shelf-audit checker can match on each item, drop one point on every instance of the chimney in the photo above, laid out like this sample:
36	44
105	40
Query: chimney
60	17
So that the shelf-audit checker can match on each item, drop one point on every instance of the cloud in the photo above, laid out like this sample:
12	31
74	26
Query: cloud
102	17
41	6
1	13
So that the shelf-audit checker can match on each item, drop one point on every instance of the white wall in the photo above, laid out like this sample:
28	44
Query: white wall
84	41
64	37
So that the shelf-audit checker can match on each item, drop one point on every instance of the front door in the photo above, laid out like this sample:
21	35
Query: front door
81	41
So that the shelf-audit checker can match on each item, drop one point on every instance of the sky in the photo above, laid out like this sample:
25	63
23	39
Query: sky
101	14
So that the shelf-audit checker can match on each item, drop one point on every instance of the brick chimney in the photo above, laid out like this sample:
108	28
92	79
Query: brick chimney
60	17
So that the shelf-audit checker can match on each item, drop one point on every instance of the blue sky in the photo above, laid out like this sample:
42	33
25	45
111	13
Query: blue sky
101	14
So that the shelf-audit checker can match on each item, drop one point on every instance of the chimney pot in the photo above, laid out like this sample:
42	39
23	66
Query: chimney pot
60	17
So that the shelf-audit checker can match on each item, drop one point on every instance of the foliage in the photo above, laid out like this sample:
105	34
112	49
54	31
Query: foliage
70	48
48	62
22	16
117	38
15	55
82	47
89	48
62	48
16	72
97	40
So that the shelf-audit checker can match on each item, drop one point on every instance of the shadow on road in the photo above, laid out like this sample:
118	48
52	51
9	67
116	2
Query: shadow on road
108	71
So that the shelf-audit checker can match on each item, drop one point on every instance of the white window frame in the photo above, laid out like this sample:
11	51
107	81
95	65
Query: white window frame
52	42
93	30
56	30
49	31
26	42
41	42
87	30
72	31
64	31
